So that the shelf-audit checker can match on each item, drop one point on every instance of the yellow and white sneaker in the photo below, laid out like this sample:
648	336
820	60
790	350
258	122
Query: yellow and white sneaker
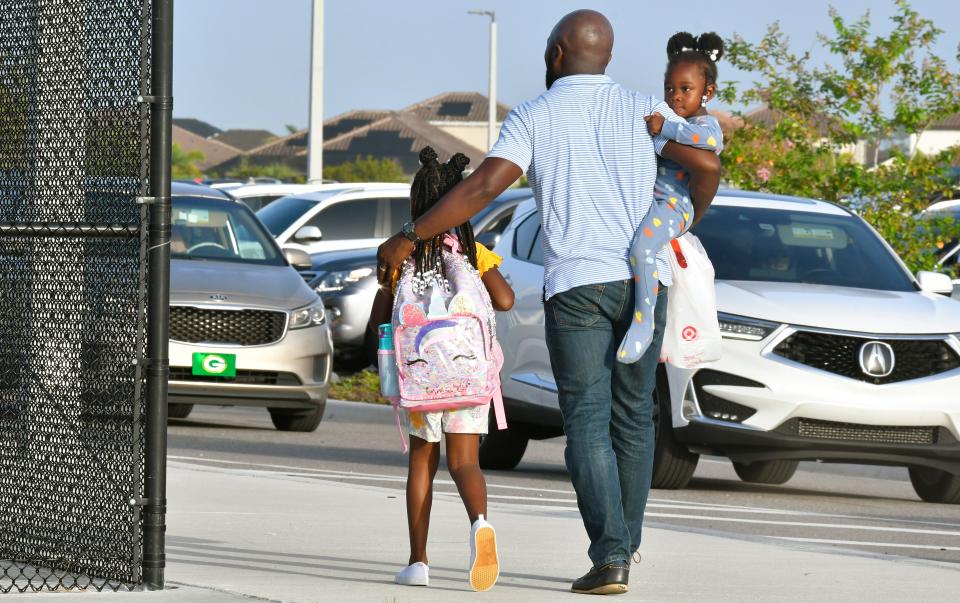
484	562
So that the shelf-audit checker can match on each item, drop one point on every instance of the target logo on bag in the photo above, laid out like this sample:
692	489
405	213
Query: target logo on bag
689	333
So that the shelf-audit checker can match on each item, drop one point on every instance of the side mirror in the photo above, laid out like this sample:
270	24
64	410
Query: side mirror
489	239
307	234
934	282
298	258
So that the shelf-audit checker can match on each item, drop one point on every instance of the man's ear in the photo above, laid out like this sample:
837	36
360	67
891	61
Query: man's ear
711	91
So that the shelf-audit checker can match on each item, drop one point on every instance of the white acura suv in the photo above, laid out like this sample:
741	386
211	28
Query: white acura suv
832	351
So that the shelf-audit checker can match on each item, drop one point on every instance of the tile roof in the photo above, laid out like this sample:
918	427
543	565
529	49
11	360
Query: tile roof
245	140
456	106
950	122
351	120
214	151
196	126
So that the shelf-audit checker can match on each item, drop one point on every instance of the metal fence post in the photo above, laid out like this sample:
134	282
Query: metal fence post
158	292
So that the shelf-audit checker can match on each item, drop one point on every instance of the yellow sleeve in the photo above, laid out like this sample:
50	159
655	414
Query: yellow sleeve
486	259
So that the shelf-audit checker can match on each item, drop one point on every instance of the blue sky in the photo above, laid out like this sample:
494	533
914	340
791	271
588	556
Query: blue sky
245	63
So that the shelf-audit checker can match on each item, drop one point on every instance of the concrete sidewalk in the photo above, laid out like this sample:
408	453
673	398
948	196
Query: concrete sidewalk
236	534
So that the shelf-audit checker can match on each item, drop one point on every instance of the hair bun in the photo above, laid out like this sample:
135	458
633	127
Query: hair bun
682	41
459	161
427	154
711	45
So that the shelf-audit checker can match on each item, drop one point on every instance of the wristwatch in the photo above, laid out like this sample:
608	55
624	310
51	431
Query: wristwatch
409	231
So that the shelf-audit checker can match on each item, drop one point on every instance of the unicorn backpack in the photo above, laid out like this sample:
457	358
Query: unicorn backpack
444	330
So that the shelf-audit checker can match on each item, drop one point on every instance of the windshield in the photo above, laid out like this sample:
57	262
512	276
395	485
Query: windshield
750	244
279	215
208	229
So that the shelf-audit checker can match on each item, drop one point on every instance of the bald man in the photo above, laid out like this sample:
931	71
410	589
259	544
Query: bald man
591	165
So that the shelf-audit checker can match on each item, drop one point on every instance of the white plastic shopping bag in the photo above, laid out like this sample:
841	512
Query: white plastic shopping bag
692	335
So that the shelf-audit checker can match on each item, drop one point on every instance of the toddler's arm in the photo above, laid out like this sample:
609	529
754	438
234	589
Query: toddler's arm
501	294
703	132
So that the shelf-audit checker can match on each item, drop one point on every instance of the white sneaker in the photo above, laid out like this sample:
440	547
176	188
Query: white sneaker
415	574
484	562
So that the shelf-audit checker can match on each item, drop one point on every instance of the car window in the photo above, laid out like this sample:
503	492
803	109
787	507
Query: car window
500	223
206	229
258	202
347	220
753	244
399	213
279	215
524	236
536	252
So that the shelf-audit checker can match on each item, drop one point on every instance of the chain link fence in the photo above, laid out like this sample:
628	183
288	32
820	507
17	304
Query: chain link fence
73	244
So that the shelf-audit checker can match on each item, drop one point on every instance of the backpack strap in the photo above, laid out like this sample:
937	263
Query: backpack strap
498	408
396	415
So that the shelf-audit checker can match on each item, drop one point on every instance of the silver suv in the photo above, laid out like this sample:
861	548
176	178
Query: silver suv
244	327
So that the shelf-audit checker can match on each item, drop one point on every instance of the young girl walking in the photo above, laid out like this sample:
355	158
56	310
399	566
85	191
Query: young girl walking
689	83
461	427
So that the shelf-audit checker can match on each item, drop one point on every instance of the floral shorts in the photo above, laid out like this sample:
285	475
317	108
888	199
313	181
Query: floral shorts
430	425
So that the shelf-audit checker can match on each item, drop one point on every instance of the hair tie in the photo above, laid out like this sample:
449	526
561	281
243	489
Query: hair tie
712	54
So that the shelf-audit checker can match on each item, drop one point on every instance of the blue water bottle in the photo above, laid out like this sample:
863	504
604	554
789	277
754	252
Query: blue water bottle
387	363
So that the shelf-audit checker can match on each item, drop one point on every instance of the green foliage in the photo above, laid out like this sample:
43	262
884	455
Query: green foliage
359	387
280	171
876	88
366	169
183	164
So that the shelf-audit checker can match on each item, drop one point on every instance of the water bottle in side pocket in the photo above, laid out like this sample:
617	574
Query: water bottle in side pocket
387	363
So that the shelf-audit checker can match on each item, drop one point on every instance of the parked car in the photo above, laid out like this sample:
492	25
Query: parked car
244	327
258	196
949	262
341	216
347	279
832	351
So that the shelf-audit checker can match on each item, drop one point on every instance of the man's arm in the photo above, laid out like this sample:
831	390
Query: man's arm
456	207
704	169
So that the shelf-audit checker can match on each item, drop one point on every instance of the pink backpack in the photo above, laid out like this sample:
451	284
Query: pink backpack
444	334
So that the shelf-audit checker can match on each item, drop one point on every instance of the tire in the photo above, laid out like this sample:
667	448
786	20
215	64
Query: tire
673	463
179	411
502	450
297	420
766	472
933	485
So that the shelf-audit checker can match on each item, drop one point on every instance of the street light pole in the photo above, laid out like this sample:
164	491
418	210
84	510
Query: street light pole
492	95
315	131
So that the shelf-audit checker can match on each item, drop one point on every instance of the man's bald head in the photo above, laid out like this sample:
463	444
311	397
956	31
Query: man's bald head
581	42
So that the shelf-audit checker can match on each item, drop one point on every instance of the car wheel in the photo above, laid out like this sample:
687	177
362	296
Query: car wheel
296	420
933	485
766	472
502	450
179	411
673	463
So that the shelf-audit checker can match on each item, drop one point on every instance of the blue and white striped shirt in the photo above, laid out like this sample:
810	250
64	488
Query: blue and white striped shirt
591	164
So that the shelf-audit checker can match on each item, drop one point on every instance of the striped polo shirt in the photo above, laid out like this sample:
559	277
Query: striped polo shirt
591	164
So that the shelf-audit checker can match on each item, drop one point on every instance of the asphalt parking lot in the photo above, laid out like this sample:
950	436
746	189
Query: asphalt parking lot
858	510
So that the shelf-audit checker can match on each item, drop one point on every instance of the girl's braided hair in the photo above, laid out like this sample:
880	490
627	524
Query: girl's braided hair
704	50
433	181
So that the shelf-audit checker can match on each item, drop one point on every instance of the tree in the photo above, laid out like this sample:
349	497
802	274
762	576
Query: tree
183	164
279	171
875	89
366	169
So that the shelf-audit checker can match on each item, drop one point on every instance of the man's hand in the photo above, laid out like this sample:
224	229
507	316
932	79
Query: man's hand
703	167
390	257
654	123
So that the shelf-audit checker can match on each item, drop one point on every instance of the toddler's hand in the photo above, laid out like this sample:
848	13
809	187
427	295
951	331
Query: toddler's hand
654	123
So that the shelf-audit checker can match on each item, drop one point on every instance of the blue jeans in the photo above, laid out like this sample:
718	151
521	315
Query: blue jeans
607	410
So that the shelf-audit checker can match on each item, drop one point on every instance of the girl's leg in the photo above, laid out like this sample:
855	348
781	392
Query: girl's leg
463	461
658	227
424	459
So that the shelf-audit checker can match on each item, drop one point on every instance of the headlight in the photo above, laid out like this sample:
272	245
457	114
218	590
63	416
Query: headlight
310	316
741	327
336	281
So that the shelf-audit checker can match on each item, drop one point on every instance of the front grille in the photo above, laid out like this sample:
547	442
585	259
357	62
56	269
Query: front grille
244	377
236	327
854	432
839	354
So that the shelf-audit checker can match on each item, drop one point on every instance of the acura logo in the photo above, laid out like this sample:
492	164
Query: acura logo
218	297
876	359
